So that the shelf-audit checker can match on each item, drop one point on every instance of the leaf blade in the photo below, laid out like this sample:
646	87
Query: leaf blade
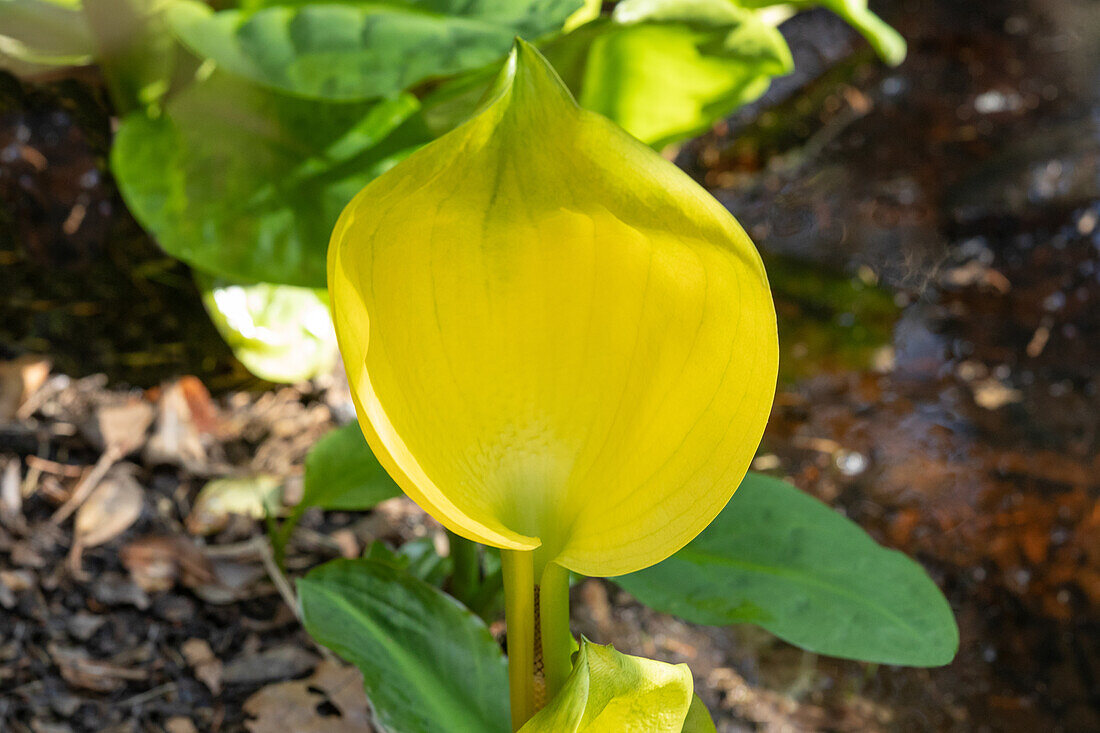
781	559
388	624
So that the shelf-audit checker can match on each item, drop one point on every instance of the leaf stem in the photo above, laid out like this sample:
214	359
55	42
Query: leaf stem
519	614
557	641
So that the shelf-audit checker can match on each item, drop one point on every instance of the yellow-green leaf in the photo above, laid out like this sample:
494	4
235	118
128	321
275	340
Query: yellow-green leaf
554	337
667	69
609	692
281	333
698	718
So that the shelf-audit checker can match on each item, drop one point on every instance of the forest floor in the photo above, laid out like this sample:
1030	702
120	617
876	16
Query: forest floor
932	233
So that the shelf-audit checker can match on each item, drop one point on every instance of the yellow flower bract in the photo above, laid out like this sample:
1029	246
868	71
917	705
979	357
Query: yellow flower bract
555	339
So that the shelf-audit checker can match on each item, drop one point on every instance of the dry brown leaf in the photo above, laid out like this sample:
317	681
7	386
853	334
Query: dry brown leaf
110	509
184	410
120	428
19	379
297	705
157	562
207	667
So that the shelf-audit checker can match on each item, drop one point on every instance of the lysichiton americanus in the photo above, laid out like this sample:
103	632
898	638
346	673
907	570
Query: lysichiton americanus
556	340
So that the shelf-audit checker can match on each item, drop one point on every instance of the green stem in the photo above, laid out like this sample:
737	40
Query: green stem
519	614
467	568
557	641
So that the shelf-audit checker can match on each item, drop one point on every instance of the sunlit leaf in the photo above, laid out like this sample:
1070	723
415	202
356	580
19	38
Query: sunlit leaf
281	333
571	345
362	51
40	33
608	691
781	559
246	183
429	665
248	496
887	42
667	69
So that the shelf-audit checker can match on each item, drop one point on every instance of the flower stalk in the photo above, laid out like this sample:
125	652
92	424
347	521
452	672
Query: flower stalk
540	645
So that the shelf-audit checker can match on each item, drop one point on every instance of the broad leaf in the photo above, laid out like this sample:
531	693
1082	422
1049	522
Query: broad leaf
609	691
887	42
281	333
781	559
341	473
667	69
38	33
363	50
417	558
247	183
428	664
698	718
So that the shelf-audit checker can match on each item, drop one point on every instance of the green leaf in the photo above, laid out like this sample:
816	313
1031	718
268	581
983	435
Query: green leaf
134	49
416	557
349	51
698	718
428	664
887	42
246	183
37	33
668	69
341	473
609	691
281	333
781	559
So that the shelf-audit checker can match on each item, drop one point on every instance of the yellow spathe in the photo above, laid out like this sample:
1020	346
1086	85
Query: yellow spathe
554	337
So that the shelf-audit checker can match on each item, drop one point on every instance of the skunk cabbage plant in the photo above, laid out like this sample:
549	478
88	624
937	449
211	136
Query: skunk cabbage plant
558	344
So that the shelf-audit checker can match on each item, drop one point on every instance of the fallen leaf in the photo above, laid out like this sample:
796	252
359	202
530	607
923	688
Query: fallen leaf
249	496
120	427
158	562
180	724
207	667
110	509
80	670
299	706
184	410
11	495
277	663
19	379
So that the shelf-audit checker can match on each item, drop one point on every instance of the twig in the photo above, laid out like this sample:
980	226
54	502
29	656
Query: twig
109	458
284	588
149	694
277	576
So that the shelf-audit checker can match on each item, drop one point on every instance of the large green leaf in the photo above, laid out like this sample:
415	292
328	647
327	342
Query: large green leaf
781	559
609	691
428	664
39	33
247	183
348	51
281	333
667	69
341	473
887	42
698	718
